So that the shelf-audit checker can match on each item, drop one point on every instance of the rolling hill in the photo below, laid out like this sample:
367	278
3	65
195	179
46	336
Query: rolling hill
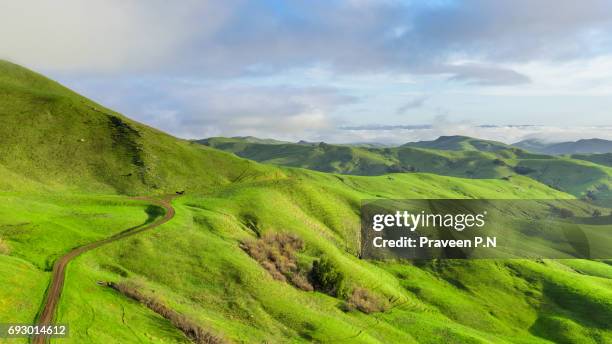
56	139
68	165
460	143
457	156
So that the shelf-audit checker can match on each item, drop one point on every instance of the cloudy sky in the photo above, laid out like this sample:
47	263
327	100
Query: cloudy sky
339	71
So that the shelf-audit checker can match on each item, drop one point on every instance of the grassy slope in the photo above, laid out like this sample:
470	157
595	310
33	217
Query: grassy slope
453	155
40	227
601	159
51	136
194	264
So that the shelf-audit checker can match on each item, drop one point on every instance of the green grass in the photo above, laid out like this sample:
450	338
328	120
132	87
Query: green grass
40	227
98	314
194	263
23	286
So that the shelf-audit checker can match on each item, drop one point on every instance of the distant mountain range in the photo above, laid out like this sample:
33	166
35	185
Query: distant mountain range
458	156
460	143
589	146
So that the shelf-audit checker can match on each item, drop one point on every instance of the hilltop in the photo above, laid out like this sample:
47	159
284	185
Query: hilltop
460	143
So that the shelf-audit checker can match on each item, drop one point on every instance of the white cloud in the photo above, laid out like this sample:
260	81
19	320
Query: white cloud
414	103
280	111
192	109
103	36
200	68
234	37
443	127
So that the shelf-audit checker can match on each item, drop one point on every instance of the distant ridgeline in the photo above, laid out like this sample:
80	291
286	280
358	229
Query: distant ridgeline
590	146
583	175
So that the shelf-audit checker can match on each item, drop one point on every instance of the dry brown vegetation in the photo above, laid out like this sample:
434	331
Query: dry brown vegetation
4	247
366	302
276	254
192	330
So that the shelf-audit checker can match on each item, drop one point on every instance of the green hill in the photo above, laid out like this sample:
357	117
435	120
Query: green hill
234	257
457	156
319	156
460	143
359	160
53	137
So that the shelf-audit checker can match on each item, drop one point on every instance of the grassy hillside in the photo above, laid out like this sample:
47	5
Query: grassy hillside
452	156
196	265
600	159
64	180
56	139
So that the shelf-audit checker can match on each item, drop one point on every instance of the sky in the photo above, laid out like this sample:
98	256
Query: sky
335	71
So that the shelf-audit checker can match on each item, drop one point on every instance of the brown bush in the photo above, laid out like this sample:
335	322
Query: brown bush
276	254
366	302
4	247
192	330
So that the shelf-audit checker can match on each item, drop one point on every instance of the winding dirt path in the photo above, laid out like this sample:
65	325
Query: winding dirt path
59	268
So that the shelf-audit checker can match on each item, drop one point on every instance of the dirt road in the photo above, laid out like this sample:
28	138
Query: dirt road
59	268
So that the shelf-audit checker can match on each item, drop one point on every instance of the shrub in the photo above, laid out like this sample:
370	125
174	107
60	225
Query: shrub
523	170
276	254
325	277
591	195
564	213
400	169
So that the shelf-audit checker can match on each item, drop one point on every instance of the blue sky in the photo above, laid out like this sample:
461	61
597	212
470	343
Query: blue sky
339	71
